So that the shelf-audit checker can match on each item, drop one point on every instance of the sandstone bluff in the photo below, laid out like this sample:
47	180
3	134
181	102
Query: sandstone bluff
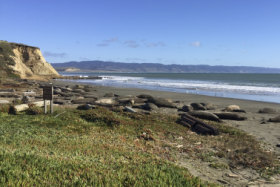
19	60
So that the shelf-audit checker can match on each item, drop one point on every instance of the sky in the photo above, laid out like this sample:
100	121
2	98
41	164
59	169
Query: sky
213	32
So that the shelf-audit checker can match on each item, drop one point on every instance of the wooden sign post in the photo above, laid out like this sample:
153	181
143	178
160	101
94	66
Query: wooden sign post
48	95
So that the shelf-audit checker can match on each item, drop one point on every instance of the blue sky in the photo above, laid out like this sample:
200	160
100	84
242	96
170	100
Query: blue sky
216	32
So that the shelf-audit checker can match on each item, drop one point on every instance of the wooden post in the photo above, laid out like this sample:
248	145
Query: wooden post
48	95
45	107
51	105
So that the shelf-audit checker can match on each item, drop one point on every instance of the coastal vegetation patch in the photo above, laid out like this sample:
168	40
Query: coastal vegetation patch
115	148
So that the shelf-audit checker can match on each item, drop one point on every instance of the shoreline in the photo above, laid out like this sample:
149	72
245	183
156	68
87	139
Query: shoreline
189	97
255	88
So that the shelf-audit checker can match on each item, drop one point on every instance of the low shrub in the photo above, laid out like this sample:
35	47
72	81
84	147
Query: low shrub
102	115
4	108
34	110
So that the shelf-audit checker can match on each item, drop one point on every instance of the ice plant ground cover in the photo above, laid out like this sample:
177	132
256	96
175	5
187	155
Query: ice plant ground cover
114	148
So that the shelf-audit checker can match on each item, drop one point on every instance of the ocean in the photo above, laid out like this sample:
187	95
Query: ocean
258	87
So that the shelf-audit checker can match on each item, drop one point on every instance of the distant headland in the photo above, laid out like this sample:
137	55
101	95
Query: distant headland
108	66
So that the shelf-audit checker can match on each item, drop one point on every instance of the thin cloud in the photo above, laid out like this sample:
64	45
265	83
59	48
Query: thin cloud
103	45
155	44
196	44
111	40
55	55
131	44
108	42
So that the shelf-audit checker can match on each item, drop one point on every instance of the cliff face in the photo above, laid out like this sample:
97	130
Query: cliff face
26	61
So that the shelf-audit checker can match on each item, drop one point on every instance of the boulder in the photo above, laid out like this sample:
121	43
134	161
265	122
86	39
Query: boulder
84	101
230	116
26	99
68	94
275	119
61	101
179	105
150	106
139	100
198	106
4	102
161	102
9	95
22	107
66	89
168	111
129	109
7	90
78	91
268	111
187	108
109	95
106	101
145	96
29	93
204	115
126	101
78	86
90	96
231	108
88	90
57	91
243	111
208	106
139	105
86	107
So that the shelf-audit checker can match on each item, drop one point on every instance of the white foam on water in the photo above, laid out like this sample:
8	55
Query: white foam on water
249	91
189	85
121	78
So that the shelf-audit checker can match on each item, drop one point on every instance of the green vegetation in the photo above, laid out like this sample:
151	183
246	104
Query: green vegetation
218	165
114	148
69	150
6	53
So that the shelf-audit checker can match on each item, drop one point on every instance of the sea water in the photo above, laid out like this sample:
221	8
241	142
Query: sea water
259	87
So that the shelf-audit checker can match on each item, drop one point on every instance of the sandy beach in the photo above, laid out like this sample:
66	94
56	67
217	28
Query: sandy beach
268	132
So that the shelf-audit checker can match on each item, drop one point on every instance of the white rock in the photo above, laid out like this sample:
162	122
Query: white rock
4	102
23	107
232	108
109	101
129	109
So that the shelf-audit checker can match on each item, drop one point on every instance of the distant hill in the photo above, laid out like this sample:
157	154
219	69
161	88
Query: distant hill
102	66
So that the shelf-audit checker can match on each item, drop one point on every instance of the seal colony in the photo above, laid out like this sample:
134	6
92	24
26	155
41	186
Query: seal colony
256	118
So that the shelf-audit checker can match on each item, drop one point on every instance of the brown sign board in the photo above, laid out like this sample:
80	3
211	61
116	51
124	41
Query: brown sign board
47	92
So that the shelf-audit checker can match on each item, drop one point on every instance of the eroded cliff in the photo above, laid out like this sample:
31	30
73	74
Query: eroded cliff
24	61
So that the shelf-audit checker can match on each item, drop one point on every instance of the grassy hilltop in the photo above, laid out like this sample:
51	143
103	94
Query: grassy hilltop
114	148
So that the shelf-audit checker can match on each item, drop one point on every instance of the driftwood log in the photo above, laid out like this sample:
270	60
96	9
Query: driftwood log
23	107
197	125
